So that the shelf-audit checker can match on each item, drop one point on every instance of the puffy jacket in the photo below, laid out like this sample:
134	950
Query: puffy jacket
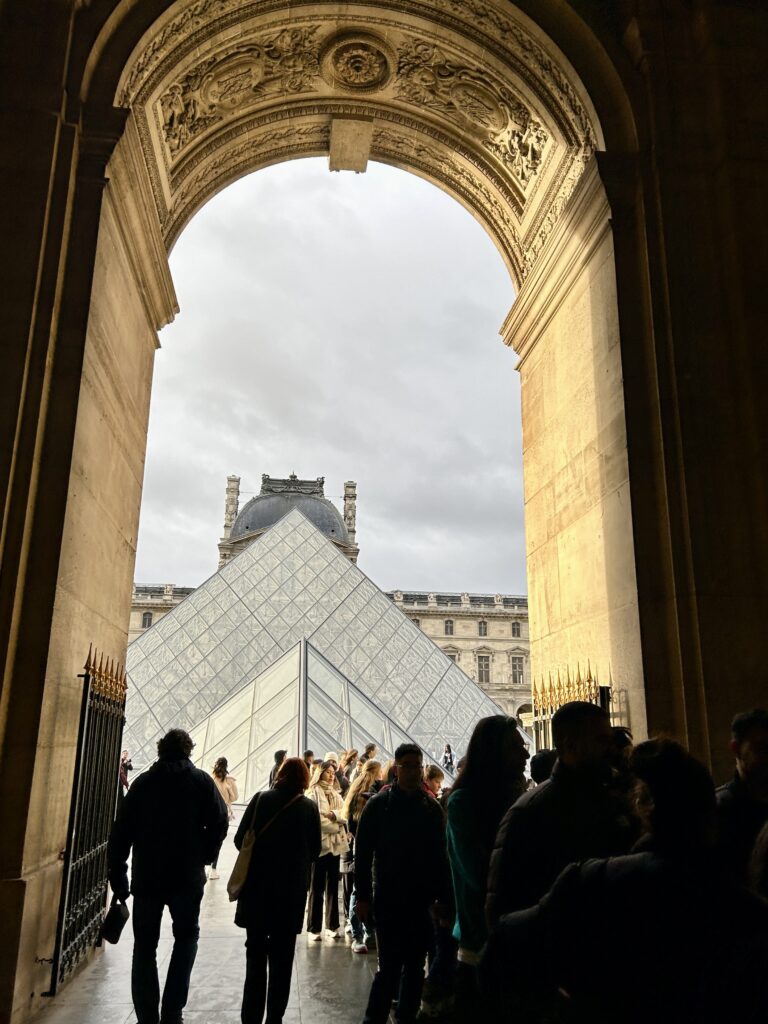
739	820
652	936
176	821
573	816
335	838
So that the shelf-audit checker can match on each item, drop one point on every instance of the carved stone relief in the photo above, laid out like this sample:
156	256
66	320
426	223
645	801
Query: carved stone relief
486	140
275	65
470	97
359	62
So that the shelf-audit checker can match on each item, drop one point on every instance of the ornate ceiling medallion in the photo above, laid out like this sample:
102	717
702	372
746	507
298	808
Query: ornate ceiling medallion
357	61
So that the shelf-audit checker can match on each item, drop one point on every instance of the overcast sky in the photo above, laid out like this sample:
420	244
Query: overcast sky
346	326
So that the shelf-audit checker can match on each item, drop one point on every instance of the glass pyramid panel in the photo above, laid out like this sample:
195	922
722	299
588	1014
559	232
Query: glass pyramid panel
228	640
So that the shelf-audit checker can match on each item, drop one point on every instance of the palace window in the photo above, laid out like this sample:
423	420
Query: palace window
483	668
451	656
515	629
417	623
482	628
518	670
146	620
449	627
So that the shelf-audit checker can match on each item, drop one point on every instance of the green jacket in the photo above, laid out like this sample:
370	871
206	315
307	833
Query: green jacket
469	857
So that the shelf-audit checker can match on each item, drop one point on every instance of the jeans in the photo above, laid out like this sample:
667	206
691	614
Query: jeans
145	986
402	951
360	932
276	950
325	881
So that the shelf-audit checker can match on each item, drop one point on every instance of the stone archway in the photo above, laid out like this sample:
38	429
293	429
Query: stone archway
88	288
476	99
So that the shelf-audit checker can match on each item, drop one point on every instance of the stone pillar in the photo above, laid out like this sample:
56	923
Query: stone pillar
581	571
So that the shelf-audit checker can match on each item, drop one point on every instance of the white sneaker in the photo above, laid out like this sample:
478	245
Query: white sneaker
331	933
359	947
314	936
214	874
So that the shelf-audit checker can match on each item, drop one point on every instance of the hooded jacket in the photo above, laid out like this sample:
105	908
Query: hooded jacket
175	820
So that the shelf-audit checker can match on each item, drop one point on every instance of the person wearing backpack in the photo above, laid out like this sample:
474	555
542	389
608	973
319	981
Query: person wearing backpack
285	842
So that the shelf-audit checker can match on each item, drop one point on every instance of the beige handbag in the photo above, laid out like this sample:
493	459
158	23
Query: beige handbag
243	862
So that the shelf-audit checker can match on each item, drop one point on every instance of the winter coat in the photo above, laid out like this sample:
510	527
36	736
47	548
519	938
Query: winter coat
400	858
228	789
335	839
573	816
651	936
739	820
275	890
176	821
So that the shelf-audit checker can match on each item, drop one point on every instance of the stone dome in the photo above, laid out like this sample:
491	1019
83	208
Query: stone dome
265	510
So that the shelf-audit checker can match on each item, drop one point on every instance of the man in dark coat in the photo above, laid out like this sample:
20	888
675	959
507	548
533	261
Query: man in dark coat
176	821
401	873
658	935
742	803
286	827
572	816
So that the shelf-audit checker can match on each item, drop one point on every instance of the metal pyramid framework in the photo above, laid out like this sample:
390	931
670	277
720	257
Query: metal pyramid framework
301	702
219	663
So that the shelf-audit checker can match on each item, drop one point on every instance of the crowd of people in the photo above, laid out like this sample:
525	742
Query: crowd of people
604	882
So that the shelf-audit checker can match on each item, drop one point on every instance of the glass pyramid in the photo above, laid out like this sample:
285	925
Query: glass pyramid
221	661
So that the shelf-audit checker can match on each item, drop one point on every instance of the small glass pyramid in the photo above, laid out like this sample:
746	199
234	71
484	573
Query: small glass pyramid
230	664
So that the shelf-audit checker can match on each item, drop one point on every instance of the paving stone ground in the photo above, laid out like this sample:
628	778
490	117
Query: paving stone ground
329	986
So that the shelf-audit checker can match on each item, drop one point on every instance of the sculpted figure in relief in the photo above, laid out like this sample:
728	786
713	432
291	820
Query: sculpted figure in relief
505	126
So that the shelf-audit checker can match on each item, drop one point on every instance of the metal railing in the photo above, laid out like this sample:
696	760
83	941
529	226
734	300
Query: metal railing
92	811
550	694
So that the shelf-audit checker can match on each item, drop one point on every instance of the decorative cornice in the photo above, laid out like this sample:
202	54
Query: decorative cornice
581	227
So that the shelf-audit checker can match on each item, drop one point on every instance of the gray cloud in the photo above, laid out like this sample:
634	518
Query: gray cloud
345	326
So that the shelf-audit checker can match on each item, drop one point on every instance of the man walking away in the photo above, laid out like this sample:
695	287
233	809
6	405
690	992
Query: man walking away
742	803
575	815
176	821
401	874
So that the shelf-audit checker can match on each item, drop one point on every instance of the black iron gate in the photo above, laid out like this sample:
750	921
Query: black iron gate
94	796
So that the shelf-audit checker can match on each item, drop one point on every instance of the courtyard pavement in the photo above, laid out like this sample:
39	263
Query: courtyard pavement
329	985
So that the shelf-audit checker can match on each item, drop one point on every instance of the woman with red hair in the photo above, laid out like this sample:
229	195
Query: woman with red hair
286	826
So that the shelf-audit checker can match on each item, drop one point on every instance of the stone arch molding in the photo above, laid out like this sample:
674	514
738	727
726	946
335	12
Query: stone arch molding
468	94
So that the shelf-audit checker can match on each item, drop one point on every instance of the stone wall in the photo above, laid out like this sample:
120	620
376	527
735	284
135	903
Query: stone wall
581	570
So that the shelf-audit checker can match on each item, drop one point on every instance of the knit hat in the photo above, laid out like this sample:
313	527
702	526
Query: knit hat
332	757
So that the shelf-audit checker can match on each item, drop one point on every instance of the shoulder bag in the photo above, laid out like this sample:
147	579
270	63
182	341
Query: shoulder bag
243	862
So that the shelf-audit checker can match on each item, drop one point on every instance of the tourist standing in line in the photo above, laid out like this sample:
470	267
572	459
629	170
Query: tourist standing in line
492	779
227	787
175	821
270	907
575	815
334	842
742	803
448	758
280	756
308	757
401	873
660	935
433	780
358	795
348	762
368	754
542	763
